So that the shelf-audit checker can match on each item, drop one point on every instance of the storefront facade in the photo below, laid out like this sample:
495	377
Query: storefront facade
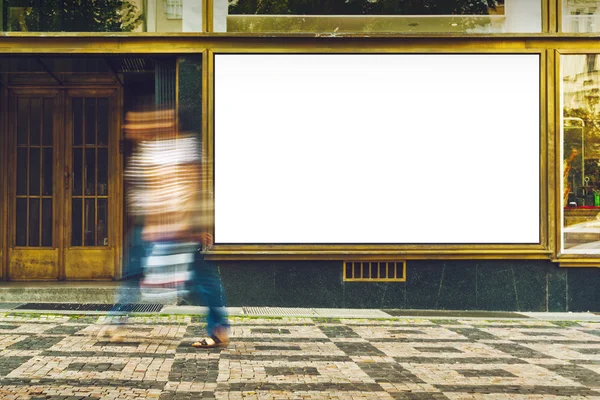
378	156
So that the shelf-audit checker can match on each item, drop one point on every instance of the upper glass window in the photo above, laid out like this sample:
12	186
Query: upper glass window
101	16
385	16
581	16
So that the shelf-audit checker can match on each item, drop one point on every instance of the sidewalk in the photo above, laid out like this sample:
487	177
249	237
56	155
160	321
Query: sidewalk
331	354
91	309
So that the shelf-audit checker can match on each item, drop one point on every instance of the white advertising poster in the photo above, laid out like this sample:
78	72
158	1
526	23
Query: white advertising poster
377	148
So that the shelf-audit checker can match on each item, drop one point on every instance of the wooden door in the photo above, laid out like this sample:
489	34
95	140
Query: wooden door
92	208
66	191
34	196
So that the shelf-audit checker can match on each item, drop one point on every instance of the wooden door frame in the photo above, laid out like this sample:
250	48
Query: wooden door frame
61	238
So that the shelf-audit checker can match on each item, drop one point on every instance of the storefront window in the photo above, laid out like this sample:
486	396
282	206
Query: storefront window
581	16
581	153
101	16
462	16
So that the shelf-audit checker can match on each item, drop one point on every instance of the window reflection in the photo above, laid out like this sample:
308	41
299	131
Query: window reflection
581	153
581	16
378	16
101	16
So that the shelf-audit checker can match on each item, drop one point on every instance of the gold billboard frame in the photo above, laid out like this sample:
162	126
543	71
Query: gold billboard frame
412	251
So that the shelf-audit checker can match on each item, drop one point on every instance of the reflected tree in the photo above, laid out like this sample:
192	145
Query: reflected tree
71	15
363	7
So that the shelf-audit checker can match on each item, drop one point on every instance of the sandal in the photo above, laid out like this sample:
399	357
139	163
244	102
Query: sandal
210	343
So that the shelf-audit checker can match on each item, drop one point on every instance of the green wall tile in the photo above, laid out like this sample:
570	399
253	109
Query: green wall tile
509	286
557	289
583	286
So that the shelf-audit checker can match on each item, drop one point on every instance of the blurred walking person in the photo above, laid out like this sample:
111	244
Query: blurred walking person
168	175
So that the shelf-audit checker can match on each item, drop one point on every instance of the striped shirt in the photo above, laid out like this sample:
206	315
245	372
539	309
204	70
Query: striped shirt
166	187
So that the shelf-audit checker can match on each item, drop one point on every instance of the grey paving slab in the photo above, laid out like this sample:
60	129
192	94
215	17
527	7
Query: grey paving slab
71	356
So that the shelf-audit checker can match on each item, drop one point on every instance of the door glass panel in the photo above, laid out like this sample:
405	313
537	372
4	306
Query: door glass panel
21	222
77	171
36	122
77	121
102	238
22	121
90	172
47	220
102	121
34	171
102	172
47	171
76	223
34	222
48	125
90	225
22	162
90	121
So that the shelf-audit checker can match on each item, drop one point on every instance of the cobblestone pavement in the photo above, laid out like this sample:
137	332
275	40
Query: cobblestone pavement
63	357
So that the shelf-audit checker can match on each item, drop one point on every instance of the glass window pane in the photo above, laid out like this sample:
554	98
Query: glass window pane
580	132
90	218
48	129
90	172
21	239
90	121
35	127
22	162
459	16
34	222
77	121
34	171
102	172
103	121
22	121
47	171
102	237
76	222
581	16
47	220
103	16
77	173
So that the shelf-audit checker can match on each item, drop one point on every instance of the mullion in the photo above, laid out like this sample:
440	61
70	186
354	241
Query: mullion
28	166
84	172
41	189
96	177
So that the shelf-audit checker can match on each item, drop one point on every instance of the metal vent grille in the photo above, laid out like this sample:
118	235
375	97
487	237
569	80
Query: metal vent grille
90	307
374	271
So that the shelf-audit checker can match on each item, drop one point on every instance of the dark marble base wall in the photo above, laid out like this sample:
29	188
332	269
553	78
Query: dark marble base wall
499	285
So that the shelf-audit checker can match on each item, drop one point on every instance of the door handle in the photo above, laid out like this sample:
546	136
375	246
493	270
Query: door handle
67	176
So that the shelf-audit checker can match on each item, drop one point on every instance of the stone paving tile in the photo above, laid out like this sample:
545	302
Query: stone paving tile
68	357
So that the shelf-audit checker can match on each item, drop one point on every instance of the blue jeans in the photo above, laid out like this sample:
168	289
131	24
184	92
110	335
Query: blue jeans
133	270
207	282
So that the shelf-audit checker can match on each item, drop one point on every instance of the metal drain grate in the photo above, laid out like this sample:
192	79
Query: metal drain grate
90	307
280	311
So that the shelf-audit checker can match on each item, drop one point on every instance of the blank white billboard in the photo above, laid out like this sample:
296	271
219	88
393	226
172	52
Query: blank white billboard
377	148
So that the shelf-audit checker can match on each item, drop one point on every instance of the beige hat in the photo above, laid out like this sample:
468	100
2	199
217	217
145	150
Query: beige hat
144	125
